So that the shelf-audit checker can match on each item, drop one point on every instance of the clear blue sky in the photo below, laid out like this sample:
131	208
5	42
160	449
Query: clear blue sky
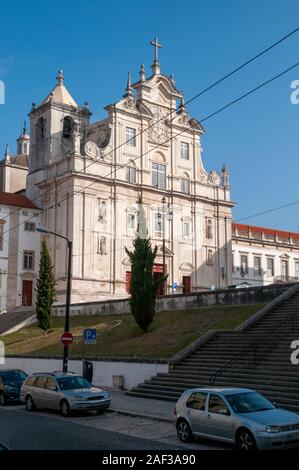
97	42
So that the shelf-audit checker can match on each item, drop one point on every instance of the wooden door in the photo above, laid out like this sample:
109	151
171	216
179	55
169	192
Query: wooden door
27	293
186	284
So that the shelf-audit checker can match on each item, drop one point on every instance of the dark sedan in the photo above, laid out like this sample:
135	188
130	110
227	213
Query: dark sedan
11	381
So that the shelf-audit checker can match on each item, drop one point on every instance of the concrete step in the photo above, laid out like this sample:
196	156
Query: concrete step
272	374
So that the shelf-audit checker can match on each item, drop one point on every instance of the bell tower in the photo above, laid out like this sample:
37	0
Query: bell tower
57	126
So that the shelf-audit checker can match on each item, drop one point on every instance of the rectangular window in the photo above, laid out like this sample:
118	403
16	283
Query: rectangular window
185	186
131	174
184	151
244	264
284	269
159	175
297	269
28	260
270	267
29	227
257	265
1	236
131	222
186	229
131	136
158	224
25	213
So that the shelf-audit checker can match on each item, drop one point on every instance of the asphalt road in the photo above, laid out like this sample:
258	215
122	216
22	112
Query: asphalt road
20	430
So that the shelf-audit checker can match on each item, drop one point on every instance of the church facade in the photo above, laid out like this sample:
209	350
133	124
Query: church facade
91	179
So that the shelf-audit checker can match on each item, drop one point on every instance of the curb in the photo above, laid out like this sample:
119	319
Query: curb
136	414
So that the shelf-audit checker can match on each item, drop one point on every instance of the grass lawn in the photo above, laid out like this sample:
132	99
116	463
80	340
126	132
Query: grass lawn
118	335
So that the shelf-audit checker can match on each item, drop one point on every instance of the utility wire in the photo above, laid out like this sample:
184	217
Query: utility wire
193	124
231	103
217	82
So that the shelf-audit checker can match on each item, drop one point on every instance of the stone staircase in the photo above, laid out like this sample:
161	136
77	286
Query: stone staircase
257	357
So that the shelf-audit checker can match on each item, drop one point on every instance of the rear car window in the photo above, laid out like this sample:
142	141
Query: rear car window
197	401
41	382
30	381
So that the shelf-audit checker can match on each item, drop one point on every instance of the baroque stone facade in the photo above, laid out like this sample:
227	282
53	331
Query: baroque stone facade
92	178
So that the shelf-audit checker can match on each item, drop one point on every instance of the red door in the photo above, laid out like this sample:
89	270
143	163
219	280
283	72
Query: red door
158	273
186	284
27	293
128	282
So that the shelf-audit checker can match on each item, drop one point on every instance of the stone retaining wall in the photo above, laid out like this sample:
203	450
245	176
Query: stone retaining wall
251	295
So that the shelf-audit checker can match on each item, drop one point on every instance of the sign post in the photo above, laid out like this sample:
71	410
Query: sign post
89	337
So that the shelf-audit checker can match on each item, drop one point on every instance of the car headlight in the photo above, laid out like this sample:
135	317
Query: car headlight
272	428
106	395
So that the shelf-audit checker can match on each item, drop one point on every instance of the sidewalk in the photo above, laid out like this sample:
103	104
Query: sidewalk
134	406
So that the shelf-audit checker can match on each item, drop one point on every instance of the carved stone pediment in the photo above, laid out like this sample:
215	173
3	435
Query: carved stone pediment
214	178
100	134
159	132
182	119
91	150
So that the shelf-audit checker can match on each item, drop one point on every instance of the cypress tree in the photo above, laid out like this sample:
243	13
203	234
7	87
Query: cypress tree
143	287
45	289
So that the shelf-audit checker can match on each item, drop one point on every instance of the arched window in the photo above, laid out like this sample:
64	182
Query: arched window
40	129
67	127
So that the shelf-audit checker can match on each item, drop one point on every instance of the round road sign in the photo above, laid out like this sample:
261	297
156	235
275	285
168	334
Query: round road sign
67	339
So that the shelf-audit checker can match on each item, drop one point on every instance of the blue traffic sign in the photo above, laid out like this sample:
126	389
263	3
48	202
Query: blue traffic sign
174	285
90	336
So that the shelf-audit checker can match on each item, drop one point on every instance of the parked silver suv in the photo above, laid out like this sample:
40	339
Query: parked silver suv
64	392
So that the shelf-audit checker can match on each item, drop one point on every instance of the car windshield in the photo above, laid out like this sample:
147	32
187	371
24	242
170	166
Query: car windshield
248	402
13	375
73	383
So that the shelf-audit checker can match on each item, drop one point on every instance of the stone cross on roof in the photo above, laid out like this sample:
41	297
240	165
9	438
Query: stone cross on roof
156	65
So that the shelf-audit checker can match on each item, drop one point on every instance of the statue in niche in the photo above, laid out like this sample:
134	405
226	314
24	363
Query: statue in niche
209	229
225	174
103	250
76	141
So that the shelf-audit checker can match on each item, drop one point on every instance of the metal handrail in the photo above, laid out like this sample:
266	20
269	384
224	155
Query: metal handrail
253	345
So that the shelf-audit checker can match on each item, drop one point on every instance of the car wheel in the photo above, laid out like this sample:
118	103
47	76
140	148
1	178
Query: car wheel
65	408
184	431
2	399
29	404
245	440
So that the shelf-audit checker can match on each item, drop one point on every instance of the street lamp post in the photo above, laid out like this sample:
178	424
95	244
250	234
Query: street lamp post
163	201
68	291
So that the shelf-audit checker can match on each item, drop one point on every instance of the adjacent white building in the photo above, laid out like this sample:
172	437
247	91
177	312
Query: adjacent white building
264	256
19	251
14	168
